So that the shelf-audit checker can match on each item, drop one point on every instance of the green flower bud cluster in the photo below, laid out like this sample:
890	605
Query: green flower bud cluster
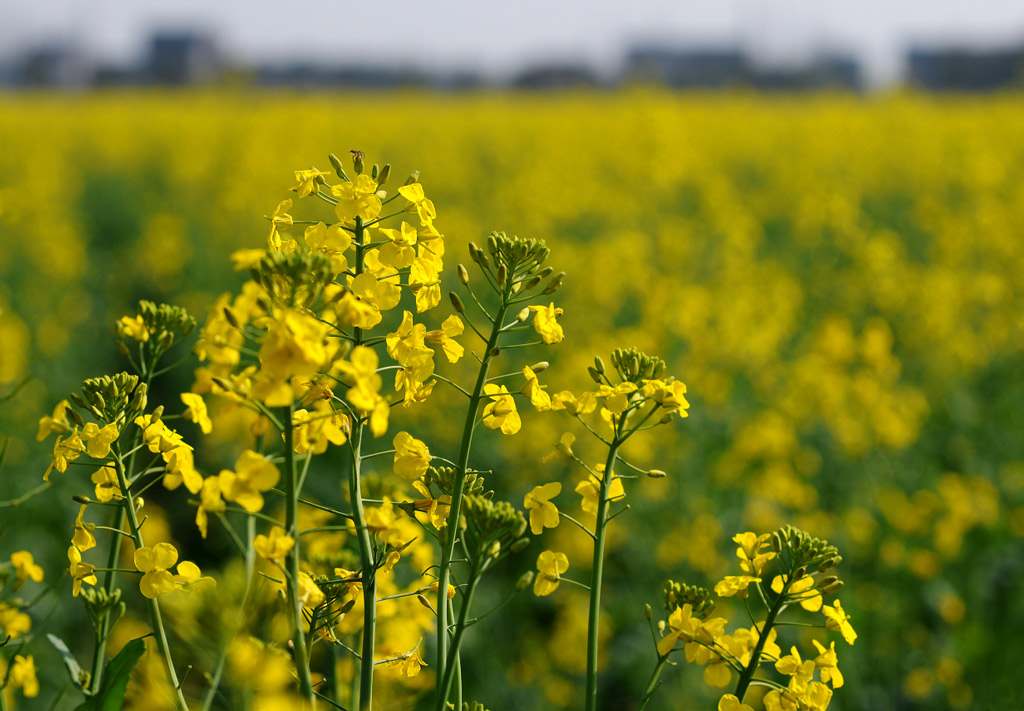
635	366
98	600
518	259
109	399
293	279
804	554
166	322
678	594
444	479
492	528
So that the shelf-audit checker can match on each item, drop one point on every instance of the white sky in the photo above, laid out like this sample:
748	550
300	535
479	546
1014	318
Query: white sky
500	37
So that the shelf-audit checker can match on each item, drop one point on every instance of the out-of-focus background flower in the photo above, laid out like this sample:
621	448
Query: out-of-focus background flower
812	212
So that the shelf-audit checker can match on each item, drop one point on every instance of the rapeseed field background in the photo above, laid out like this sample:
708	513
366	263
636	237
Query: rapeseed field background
837	279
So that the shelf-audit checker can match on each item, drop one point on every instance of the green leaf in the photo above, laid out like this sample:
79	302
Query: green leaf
70	662
115	679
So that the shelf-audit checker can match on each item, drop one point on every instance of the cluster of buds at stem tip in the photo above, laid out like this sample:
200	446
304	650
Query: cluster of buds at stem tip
679	594
444	478
635	366
516	260
801	551
109	398
293	279
163	324
491	528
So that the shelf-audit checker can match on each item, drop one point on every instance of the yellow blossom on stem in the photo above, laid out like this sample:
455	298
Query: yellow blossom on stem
550	566
306	181
590	489
23	676
532	389
400	249
25	567
154	563
280	220
65	451
500	412
730	703
828	663
839	621
13	622
83	538
445	336
128	327
801	590
210	501
253	474
752	553
274	546
80	572
181	469
735	585
195	410
56	423
413	192
310	595
357	198
543	513
107	485
412	457
545	323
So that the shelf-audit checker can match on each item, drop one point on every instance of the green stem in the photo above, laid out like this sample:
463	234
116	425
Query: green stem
451	664
291	514
755	657
99	651
452	527
369	571
653	683
596	573
154	608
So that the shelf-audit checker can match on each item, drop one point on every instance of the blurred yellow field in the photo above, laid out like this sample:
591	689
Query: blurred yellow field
836	279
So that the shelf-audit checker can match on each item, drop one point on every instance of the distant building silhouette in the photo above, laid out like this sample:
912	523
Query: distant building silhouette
950	69
712	68
53	66
830	71
182	58
556	76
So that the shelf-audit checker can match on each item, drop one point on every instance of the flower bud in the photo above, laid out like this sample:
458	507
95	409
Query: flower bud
540	367
501	275
357	162
598	364
463	274
555	284
457	304
421	599
594	375
524	581
78	400
519	545
648	612
523	315
666	418
832	588
230	316
221	383
656	474
374	170
414	177
384	174
532	284
492	244
79	499
73	415
123	349
336	164
494	550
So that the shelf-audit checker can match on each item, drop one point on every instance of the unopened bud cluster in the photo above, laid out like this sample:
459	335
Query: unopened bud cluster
679	594
293	278
634	366
109	399
806	555
492	528
444	479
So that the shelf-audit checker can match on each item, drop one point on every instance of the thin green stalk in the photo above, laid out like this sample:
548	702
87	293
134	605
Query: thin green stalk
99	650
453	653
755	657
452	527
369	572
291	502
154	608
596	573
653	683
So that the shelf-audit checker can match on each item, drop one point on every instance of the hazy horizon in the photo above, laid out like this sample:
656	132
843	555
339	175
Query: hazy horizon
499	41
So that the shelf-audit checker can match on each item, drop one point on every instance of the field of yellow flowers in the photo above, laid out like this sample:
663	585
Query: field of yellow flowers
836	279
